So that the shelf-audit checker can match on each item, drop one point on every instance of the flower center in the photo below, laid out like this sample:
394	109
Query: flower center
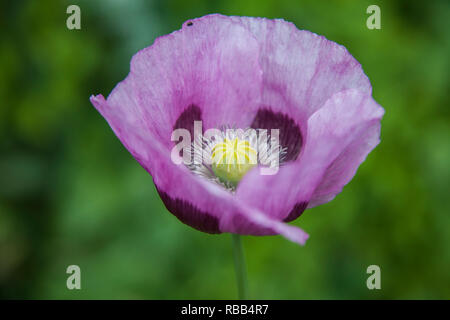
225	156
232	159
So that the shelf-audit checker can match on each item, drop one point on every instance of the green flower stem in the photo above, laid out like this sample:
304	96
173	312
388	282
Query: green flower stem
239	266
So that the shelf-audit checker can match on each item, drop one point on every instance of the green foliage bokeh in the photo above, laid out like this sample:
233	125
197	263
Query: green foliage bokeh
70	193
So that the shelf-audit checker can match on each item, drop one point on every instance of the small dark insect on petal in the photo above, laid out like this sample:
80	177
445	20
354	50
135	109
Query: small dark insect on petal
189	23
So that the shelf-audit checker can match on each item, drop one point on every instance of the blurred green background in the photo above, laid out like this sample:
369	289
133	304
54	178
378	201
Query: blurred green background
70	193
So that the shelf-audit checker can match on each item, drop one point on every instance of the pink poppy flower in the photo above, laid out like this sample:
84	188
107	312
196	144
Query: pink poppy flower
246	73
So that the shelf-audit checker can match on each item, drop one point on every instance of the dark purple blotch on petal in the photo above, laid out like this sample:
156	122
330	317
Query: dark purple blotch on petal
296	211
186	121
187	117
290	133
187	213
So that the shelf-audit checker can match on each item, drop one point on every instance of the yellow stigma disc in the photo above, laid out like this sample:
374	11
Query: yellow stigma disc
232	159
